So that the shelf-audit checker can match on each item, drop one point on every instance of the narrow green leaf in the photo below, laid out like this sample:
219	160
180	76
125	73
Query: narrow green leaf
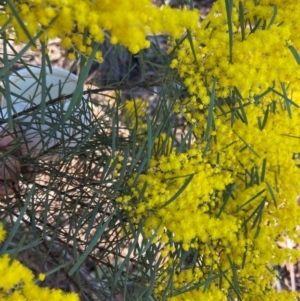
230	28
292	136
115	132
280	23
141	197
251	175
242	20
151	285
235	280
239	115
168	285
259	214
257	177
4	26
178	193
205	283
258	97
207	146
16	251
150	140
286	100
144	248
264	26
7	88
226	196
251	199
207	25
243	112
191	4
139	156
245	252
206	286
92	219
295	53
248	145
45	213
58	268
263	170
77	95
265	118
259	123
121	178
43	76
257	231
25	247
210	117
183	142
292	102
236	296
257	211
272	193
189	36
129	253
273	16
100	229
220	107
232	117
16	225
6	68
255	26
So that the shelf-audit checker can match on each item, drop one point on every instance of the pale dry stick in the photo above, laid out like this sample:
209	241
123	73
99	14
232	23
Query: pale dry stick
278	286
290	245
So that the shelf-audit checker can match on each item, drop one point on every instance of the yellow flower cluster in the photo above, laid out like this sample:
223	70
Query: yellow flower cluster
258	149
78	23
254	160
198	182
262	33
17	282
240	154
233	193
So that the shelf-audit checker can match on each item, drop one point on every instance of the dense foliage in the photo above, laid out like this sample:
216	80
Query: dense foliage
214	203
